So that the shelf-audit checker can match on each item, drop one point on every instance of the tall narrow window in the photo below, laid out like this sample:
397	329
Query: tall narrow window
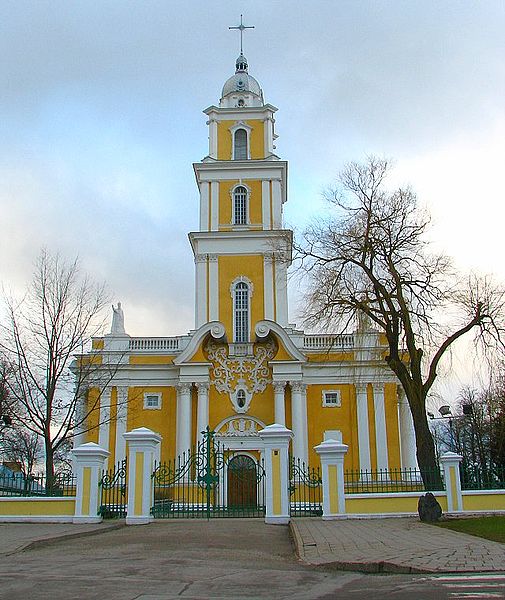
241	310
240	205
240	145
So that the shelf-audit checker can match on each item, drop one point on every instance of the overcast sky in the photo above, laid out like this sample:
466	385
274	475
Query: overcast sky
100	121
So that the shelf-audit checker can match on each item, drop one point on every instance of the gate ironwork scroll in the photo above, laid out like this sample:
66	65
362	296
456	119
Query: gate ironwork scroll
306	489
113	492
211	481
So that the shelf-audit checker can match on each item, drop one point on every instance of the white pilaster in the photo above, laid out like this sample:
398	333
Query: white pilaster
80	415
268	287
450	463
213	138
202	411
204	206
200	290
281	289
279	402
381	441
121	421
277	204
265	204
183	418
365	463
269	136
214	206
104	424
407	435
299	418
213	287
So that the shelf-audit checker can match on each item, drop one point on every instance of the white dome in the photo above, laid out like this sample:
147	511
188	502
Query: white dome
242	83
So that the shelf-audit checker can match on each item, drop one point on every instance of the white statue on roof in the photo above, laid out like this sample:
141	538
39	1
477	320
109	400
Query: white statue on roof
117	327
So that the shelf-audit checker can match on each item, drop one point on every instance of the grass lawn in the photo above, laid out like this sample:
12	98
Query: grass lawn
491	528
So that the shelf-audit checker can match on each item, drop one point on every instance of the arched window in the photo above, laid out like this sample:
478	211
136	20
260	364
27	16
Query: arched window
240	205
241	312
240	145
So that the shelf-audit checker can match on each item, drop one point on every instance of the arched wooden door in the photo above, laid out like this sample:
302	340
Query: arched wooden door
242	482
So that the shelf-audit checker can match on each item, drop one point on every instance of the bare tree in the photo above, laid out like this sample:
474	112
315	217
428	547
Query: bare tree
23	447
52	323
372	258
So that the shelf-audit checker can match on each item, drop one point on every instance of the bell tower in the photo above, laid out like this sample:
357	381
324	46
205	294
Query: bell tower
241	250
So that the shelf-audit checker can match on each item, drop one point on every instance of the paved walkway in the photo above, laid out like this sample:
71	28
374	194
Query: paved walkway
15	537
400	545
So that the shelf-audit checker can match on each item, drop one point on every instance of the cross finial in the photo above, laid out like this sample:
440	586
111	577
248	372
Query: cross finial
241	28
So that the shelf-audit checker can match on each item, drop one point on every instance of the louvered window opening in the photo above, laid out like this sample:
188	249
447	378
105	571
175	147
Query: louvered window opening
241	313
240	205
240	147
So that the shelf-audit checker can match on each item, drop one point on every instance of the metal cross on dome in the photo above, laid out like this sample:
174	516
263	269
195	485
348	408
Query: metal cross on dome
241	28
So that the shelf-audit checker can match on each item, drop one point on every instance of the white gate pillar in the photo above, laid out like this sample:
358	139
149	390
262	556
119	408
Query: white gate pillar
89	460
276	441
450	462
142	451
332	453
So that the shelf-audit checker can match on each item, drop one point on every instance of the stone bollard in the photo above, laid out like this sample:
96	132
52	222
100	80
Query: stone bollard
276	440
450	462
332	453
142	449
89	461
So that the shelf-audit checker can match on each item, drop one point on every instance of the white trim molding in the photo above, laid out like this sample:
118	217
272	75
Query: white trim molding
233	129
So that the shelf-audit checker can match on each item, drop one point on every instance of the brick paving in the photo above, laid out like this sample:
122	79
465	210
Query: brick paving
394	545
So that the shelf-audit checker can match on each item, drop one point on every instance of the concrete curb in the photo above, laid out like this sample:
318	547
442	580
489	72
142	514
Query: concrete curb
53	540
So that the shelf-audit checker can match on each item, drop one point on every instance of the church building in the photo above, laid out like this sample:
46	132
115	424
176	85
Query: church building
244	366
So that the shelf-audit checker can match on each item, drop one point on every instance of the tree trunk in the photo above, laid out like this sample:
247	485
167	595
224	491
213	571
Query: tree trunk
426	454
49	466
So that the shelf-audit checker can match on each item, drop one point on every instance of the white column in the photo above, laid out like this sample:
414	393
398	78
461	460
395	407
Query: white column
276	442
365	463
183	418
200	290
268	286
279	402
265	204
202	411
142	452
80	415
89	460
407	435
299	418
269	136
213	288
381	441
104	423
121	421
332	454
281	289
204	206
214	206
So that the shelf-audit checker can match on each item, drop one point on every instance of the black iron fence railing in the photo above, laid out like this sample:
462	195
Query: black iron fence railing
305	488
20	484
478	478
387	481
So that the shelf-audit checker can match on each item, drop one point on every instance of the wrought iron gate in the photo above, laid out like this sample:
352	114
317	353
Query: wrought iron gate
305	488
113	490
211	481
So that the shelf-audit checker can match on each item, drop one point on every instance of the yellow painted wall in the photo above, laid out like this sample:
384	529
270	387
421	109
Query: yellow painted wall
226	200
256	139
161	421
28	507
112	431
231	267
142	359
484	501
385	505
93	407
371	427
321	418
97	344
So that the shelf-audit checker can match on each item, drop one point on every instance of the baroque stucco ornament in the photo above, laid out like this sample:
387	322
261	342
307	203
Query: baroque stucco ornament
241	376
